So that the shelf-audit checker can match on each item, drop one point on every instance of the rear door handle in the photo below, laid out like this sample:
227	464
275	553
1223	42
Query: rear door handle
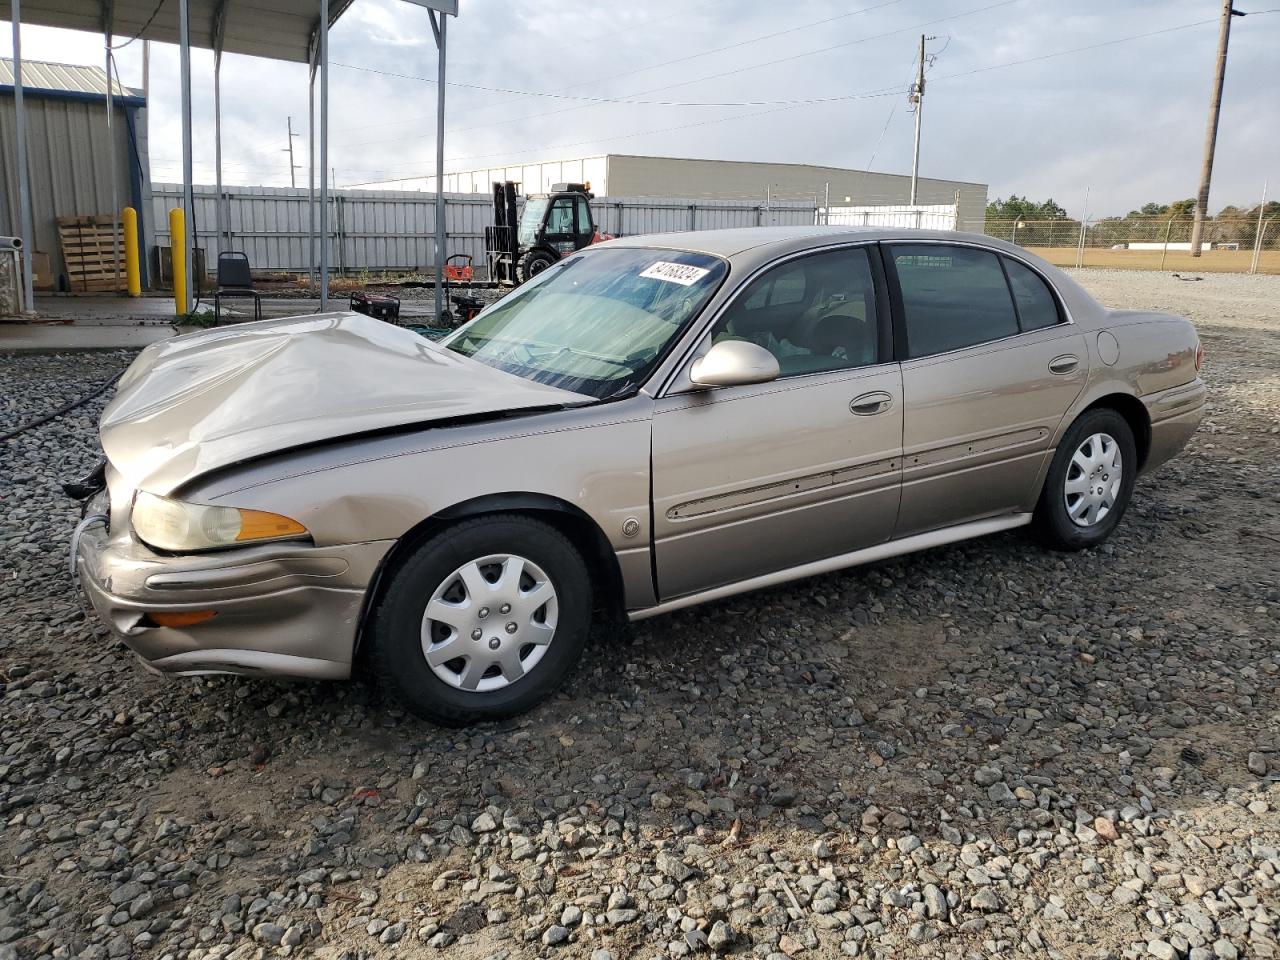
870	403
1064	364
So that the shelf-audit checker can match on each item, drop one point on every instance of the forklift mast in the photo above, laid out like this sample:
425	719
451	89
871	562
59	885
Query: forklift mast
500	240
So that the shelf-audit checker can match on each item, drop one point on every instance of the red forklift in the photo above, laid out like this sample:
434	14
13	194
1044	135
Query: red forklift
552	225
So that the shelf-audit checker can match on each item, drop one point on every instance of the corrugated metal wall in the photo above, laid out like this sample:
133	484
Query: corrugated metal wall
375	230
532	177
640	176
69	162
369	229
631	216
746	181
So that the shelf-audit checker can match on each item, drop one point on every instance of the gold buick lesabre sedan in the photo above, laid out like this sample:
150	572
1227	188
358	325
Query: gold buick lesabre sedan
651	423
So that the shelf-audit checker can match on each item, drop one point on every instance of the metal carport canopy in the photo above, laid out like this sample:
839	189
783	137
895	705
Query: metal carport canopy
276	29
285	30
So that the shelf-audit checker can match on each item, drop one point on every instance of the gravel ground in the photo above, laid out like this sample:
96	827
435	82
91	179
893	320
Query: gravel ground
985	750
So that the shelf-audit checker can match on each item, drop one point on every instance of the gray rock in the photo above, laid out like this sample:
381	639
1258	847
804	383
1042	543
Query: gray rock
721	937
935	902
555	935
269	933
127	892
986	900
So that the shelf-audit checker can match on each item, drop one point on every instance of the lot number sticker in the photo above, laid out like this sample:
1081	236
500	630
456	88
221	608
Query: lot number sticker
682	273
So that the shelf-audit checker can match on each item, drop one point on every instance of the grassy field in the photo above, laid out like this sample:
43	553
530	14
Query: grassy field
1211	261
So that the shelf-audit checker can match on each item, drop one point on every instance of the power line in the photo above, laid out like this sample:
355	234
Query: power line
726	73
589	100
855	96
558	91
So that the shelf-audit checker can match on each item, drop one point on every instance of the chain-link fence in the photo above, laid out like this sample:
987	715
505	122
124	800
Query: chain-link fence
1237	244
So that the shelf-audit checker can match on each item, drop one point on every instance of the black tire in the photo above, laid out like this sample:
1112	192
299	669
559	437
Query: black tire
533	263
1052	522
396	630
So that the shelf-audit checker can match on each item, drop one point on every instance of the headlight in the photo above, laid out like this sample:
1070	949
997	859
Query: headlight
173	525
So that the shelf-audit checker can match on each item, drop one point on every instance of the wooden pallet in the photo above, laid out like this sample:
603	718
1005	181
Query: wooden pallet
89	251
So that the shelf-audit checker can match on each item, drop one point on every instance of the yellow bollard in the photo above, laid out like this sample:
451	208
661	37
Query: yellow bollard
132	273
178	248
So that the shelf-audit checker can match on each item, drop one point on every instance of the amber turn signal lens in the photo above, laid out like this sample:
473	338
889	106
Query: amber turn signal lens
259	525
183	618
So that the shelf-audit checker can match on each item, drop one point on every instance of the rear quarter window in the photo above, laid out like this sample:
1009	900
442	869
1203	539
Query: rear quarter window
952	297
1037	306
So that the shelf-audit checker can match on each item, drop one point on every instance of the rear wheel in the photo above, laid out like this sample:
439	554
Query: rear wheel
1089	482
483	621
533	263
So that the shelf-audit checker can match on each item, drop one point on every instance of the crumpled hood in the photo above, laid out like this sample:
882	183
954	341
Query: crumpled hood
211	399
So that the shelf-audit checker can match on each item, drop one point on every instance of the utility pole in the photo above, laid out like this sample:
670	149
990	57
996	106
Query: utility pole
1211	134
917	98
292	167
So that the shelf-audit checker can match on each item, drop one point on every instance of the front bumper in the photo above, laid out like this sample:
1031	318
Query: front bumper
282	609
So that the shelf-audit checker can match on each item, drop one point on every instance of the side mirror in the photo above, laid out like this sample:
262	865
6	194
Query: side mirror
734	363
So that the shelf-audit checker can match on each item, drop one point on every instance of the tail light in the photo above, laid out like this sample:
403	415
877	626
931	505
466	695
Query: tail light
1199	355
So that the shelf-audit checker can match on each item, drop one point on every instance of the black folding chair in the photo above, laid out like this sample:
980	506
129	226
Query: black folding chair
235	281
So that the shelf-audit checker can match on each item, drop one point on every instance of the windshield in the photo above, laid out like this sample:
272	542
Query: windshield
595	323
531	220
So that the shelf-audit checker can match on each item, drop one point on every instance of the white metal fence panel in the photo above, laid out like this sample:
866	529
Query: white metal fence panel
375	231
933	216
369	230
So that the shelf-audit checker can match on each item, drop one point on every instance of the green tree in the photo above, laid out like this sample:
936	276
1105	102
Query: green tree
1020	207
1178	209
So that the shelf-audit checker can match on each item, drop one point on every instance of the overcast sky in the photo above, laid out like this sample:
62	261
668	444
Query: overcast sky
1124	121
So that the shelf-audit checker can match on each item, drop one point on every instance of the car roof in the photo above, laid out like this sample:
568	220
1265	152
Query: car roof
733	241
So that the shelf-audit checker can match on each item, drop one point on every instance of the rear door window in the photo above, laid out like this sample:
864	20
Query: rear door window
1037	307
952	297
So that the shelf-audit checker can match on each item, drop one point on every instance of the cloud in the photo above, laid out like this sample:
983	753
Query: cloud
1124	122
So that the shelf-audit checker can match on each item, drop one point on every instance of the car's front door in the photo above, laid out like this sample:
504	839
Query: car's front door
990	367
748	480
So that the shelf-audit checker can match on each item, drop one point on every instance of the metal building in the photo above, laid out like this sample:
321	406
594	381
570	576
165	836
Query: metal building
629	175
69	150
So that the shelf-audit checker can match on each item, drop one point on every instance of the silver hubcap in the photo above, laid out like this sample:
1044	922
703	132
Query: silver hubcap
489	623
1093	480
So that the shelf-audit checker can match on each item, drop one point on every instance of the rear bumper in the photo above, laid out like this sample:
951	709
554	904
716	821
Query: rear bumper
1175	414
280	609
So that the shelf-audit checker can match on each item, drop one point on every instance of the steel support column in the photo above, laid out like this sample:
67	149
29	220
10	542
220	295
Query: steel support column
324	154
220	219
311	171
188	202
442	35
108	16
24	180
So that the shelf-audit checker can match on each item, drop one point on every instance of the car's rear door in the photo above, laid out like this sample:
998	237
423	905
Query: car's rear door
748	480
991	362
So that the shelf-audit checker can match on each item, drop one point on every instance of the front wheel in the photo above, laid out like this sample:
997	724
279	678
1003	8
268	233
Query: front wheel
483	621
1089	482
533	263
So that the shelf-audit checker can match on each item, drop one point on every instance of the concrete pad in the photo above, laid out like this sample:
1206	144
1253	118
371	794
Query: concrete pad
62	337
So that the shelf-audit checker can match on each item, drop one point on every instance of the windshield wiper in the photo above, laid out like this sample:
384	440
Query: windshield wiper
560	351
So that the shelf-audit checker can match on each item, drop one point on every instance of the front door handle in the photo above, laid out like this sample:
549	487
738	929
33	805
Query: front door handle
1064	364
870	403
